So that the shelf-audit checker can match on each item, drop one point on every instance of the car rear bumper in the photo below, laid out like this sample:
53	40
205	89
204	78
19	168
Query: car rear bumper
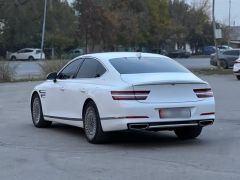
125	124
148	114
170	125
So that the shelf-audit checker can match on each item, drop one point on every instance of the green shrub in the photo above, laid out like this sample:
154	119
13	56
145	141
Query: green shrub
7	71
49	66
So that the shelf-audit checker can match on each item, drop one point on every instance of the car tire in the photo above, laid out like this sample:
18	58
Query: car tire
238	77
92	125
37	114
30	58
224	64
13	58
188	132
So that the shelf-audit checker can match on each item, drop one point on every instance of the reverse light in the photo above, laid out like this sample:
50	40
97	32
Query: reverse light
203	93
130	95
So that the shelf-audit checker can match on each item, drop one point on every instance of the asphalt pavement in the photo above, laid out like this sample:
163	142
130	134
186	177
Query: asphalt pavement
195	62
61	152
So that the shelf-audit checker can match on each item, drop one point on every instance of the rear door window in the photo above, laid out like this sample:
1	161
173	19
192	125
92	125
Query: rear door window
91	68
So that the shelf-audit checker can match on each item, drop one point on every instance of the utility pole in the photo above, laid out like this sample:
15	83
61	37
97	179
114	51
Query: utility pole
214	32
43	28
229	22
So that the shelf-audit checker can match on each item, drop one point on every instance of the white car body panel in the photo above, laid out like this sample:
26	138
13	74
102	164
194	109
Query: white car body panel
21	55
236	67
63	101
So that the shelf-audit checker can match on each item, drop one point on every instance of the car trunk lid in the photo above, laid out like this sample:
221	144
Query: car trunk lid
166	87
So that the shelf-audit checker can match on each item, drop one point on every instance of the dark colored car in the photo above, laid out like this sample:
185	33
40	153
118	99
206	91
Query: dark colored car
180	53
226	58
159	51
208	50
74	53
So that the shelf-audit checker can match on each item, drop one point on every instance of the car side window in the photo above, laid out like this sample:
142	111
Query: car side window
232	53
91	68
236	53
21	51
28	51
227	53
70	71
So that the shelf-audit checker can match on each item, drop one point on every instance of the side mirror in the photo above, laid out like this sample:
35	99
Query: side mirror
52	76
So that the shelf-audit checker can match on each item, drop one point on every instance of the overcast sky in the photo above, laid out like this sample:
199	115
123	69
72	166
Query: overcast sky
221	11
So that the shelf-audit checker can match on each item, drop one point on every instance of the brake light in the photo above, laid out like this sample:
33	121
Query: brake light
203	93
130	95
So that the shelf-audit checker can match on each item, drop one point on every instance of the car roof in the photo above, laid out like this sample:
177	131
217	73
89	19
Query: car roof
112	55
30	49
237	49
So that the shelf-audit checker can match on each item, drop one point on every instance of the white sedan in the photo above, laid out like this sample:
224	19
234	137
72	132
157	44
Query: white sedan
108	92
236	68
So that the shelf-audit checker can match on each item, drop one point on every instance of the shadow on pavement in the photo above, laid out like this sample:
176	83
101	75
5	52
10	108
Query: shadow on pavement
132	138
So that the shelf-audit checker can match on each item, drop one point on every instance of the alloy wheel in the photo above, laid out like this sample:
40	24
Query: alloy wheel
36	110
90	123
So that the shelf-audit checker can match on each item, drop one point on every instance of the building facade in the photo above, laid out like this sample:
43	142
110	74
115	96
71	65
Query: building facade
235	36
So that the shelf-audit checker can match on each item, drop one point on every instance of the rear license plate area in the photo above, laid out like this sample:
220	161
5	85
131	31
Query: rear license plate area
174	113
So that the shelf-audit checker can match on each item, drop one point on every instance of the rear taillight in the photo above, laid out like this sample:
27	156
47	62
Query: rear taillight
203	93
130	95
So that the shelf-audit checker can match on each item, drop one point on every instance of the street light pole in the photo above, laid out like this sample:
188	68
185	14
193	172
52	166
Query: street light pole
229	22
214	31
43	28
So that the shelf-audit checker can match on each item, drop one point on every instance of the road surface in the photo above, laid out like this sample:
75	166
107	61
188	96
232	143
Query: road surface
61	152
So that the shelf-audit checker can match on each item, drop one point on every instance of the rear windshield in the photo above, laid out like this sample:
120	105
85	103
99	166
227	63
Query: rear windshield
133	65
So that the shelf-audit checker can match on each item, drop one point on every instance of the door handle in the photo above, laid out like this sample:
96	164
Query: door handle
62	89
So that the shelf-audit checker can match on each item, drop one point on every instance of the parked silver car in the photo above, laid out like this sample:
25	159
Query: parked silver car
226	58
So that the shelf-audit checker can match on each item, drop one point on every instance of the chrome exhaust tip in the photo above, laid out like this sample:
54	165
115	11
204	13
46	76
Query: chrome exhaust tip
205	123
138	126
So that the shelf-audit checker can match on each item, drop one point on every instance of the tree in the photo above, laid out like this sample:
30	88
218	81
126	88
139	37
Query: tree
95	26
190	23
105	25
23	22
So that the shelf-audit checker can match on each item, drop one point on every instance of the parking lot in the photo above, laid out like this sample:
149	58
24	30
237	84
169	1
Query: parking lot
61	152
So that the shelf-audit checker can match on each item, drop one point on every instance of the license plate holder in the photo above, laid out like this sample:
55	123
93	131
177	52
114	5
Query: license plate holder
175	113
